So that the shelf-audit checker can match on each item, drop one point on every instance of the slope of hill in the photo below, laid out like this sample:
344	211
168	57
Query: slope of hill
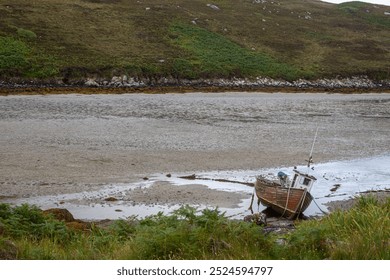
68	41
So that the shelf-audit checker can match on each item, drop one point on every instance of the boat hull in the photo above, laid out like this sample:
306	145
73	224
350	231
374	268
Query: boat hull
288	202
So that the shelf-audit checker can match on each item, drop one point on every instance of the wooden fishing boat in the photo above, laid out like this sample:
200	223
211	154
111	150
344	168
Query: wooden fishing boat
288	198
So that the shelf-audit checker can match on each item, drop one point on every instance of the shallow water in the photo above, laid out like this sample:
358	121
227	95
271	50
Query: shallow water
353	176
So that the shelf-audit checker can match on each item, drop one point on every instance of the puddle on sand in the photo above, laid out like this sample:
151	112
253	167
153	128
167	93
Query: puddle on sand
353	177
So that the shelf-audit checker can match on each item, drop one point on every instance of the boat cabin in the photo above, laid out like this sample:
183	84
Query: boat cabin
302	181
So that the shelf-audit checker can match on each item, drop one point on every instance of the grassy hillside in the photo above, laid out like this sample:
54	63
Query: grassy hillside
287	39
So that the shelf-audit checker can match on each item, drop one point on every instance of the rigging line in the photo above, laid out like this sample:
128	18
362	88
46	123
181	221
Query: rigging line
312	148
315	138
315	202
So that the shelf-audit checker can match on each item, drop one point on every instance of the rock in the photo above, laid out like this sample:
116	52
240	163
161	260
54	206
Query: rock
121	81
189	177
115	79
78	225
60	214
8	250
214	7
257	218
91	83
132	82
335	187
111	199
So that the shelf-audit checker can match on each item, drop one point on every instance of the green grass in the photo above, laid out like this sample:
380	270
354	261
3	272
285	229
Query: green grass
361	233
182	235
364	11
26	34
18	58
213	55
13	54
352	7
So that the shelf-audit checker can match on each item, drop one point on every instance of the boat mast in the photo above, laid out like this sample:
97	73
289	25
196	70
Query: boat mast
311	151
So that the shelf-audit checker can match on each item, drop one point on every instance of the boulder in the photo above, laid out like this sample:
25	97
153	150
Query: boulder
214	7
257	218
91	83
60	214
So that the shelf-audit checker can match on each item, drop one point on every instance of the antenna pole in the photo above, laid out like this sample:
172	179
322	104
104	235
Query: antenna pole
312	148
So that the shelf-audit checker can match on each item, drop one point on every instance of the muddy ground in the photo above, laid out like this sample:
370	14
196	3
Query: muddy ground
347	204
55	144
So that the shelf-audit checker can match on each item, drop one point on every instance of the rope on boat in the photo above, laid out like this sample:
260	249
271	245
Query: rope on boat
253	197
288	197
323	212
301	202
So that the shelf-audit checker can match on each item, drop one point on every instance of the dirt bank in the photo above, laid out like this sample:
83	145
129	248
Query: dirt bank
44	90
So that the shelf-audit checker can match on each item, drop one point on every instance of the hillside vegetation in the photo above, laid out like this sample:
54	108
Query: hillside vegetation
287	39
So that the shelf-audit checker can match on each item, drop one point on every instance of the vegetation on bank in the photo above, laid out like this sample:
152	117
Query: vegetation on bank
70	41
19	59
361	233
213	55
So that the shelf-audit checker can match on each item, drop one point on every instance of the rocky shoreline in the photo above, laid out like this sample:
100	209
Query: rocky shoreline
125	84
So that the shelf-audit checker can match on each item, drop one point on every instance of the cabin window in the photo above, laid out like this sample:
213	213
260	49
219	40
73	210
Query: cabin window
306	181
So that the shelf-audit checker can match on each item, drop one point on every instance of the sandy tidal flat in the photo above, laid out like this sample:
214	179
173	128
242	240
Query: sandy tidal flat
79	145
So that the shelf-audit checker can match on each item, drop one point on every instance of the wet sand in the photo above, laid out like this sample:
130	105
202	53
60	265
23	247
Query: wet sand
56	144
190	194
347	204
